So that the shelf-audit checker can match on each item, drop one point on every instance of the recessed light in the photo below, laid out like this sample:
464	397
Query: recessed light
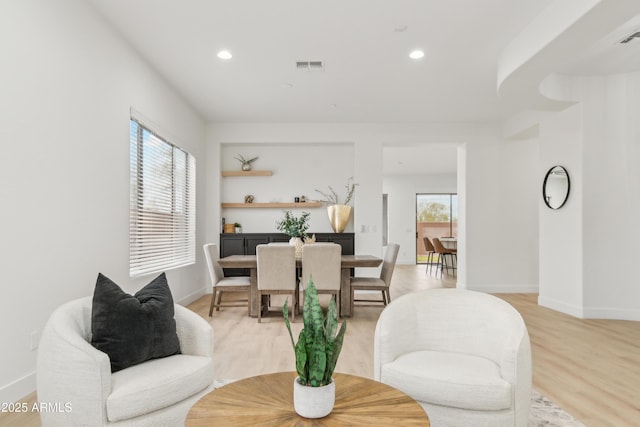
416	54
225	54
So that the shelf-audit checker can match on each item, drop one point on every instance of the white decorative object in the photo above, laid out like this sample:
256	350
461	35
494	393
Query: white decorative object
298	243
313	402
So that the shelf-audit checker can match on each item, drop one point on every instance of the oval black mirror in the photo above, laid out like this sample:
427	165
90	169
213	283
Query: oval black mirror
555	189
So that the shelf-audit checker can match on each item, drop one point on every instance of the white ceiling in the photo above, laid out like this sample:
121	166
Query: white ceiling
364	44
368	76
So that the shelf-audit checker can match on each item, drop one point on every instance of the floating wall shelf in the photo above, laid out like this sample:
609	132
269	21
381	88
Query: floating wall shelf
247	173
273	205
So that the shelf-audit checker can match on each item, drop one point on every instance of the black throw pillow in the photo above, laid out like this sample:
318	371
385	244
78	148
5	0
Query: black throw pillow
133	328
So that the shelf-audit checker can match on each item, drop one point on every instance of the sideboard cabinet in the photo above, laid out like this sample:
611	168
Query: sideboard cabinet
245	244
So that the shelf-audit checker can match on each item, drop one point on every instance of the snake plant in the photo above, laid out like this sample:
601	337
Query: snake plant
318	345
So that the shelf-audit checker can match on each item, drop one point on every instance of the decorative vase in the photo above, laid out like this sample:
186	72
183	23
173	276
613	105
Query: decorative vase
246	166
313	402
297	242
339	217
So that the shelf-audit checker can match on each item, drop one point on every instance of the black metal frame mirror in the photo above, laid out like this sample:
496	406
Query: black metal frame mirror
556	186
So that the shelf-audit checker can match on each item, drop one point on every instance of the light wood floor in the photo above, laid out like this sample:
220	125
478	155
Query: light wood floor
591	368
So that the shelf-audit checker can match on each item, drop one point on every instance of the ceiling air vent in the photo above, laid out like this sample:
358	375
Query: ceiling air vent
309	66
635	35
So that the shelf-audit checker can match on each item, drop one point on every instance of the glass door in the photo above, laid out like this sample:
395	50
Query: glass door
436	216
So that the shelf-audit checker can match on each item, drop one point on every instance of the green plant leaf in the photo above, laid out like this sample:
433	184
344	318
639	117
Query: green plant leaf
337	347
302	367
285	313
317	362
331	321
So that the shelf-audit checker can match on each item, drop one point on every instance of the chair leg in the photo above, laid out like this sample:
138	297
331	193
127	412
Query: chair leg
295	303
351	303
213	300
388	296
260	308
218	300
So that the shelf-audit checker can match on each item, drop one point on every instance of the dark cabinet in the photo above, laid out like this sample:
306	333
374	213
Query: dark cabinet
245	244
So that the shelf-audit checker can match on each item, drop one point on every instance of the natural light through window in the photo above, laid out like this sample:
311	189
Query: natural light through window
162	203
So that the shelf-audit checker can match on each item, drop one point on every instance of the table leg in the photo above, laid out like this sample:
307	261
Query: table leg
345	293
254	305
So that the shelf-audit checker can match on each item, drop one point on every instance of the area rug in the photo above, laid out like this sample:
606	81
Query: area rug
543	412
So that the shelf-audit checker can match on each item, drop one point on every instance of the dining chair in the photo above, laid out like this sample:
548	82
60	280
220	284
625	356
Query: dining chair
276	271
382	283
224	284
322	263
443	253
430	253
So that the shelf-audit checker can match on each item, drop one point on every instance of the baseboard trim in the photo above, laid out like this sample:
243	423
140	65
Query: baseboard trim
562	307
611	313
18	389
186	300
502	289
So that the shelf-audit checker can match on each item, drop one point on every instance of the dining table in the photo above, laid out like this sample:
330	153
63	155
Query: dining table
347	263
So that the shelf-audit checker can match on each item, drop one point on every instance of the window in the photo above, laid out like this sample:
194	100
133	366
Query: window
162	203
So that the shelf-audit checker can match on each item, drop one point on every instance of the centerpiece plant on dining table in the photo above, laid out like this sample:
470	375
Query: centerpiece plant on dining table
296	228
318	345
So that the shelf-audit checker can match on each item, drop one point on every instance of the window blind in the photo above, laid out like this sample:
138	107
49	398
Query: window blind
162	203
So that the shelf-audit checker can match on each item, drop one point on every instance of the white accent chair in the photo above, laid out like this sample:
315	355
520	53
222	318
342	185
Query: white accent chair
158	392
224	284
464	356
322	263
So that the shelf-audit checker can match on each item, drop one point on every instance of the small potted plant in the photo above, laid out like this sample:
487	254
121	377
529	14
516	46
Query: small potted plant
238	227
317	351
296	228
339	213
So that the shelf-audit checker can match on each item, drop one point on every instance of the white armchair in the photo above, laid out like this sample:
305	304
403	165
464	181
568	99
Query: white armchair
464	356
77	376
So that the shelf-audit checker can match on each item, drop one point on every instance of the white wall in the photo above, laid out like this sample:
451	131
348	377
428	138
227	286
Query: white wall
402	190
67	84
500	216
589	247
298	169
611	195
561	239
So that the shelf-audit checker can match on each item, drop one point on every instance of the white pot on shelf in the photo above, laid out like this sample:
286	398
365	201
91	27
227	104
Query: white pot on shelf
313	402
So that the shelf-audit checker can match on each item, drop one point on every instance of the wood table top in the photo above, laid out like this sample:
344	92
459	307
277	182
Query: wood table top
267	400
250	261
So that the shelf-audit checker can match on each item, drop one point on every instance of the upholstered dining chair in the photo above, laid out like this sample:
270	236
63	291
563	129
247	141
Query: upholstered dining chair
443	253
158	392
322	263
431	250
276	273
224	284
382	283
464	356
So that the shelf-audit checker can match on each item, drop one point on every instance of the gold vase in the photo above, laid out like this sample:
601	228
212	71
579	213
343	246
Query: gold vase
339	217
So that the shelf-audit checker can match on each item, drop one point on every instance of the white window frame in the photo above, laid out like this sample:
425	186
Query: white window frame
162	203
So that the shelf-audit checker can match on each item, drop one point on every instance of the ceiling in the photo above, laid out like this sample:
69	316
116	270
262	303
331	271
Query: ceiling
364	45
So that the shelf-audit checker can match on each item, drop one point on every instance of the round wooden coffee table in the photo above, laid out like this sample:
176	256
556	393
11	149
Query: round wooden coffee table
267	400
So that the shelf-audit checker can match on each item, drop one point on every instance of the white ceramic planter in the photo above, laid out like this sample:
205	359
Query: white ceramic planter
298	243
313	402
